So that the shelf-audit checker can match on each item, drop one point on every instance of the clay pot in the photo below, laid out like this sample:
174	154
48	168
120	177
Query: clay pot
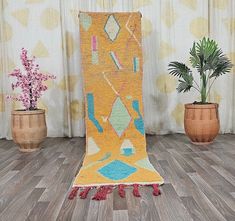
201	122
28	129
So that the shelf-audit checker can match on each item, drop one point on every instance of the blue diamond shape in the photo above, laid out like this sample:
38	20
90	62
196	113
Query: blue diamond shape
117	170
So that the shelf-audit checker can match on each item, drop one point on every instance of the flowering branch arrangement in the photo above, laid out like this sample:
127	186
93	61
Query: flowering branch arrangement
30	82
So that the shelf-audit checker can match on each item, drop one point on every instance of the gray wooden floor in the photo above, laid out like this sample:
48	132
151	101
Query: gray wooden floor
199	183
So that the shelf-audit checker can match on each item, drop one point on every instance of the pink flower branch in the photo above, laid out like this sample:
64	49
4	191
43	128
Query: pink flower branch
30	82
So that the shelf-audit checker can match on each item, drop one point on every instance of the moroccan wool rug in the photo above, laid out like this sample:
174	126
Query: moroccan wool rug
115	138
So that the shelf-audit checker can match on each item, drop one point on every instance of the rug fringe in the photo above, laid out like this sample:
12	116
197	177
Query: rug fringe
136	192
102	193
84	193
73	193
121	190
156	191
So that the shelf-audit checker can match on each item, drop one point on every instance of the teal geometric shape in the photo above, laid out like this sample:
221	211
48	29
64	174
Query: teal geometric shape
119	117
139	122
91	112
85	20
117	170
145	163
105	157
136	64
112	27
94	57
127	151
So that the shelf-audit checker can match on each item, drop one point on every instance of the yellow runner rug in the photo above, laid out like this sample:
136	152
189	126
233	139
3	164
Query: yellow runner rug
112	69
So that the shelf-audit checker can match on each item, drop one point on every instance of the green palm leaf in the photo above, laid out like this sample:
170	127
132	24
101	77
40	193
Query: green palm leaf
182	71
209	61
177	68
223	66
186	84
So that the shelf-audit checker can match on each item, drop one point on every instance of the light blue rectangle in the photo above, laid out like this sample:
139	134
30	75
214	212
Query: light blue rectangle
94	57
136	64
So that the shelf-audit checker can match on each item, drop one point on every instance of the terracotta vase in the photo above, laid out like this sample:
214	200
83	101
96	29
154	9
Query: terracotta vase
28	129
201	122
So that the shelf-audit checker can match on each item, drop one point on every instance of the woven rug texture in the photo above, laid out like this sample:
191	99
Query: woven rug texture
112	67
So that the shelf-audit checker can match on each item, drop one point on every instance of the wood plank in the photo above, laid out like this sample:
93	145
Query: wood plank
4	179
202	201
133	206
181	161
147	206
120	215
66	211
194	210
217	178
119	203
82	207
25	209
93	210
170	200
37	212
55	203
199	183
11	203
218	203
106	209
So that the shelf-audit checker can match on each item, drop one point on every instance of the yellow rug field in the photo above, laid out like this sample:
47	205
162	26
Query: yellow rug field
112	67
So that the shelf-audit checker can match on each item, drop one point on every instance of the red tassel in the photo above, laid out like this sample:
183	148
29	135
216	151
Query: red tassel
73	193
136	192
121	190
102	192
156	191
84	193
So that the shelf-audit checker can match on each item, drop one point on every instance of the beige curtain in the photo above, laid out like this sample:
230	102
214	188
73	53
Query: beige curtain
222	29
49	30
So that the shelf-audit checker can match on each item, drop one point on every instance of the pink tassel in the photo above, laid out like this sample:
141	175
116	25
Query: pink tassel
98	194
121	190
73	193
102	192
136	192
84	193
156	191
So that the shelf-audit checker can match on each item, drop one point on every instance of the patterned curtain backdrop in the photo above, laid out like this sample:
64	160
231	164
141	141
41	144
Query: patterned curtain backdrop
49	30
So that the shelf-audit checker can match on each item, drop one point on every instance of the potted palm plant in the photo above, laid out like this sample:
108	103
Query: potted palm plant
29	124
201	119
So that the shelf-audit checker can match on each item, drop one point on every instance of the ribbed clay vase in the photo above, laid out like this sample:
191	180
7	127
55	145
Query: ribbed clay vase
28	129
201	122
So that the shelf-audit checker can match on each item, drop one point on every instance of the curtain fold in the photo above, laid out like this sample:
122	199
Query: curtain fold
50	31
222	29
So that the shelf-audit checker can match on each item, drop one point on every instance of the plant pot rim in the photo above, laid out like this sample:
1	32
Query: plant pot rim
201	106
24	112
